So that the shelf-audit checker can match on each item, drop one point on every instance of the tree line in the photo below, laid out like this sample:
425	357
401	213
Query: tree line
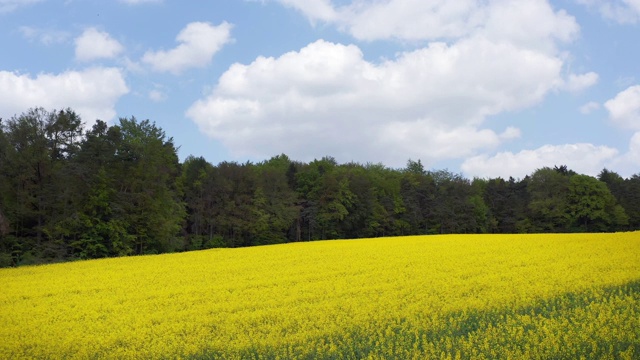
67	193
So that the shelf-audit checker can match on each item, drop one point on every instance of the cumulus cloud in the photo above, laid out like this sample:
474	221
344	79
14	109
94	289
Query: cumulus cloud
199	42
409	19
621	11
630	162
327	99
11	5
533	23
624	108
576	83
528	23
477	59
583	158
94	44
92	93
313	9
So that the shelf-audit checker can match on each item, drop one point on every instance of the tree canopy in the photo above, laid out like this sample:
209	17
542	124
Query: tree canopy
114	190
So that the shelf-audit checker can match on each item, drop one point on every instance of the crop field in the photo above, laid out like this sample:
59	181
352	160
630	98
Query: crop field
455	296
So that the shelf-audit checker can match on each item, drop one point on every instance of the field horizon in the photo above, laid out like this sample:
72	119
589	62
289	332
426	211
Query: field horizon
437	296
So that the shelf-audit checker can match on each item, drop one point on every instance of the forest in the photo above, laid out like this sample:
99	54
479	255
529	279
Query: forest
70	193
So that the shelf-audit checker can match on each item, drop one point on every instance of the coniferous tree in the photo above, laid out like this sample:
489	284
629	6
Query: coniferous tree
120	190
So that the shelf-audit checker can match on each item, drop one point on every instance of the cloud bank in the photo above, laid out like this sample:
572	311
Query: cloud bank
481	59
624	111
92	93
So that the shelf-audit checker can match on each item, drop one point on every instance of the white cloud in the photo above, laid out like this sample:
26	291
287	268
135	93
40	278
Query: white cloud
531	23
92	92
511	133
576	83
411	19
621	11
199	42
628	164
313	9
624	108
326	99
10	5
45	36
589	107
94	44
483	57
582	158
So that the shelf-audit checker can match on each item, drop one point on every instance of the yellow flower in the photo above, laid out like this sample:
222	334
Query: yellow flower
455	296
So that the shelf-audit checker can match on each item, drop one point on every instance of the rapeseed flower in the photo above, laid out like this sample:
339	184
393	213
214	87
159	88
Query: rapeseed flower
455	296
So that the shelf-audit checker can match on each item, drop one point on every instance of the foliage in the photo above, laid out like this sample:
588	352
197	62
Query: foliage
591	205
120	189
110	192
548	190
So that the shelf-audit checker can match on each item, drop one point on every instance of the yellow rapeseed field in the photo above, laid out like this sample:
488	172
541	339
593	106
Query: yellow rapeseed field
426	297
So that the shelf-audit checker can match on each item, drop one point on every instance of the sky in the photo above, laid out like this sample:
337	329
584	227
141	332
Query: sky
485	88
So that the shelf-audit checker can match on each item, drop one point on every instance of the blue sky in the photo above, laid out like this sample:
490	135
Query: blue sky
486	88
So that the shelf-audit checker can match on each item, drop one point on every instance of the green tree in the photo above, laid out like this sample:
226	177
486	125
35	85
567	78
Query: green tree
418	193
630	201
100	232
64	133
456	209
415	167
147	169
548	191
614	182
387	205
27	169
7	241
195	179
275	203
235	187
480	208
507	205
365	216
334	200
591	205
308	179
36	148
627	194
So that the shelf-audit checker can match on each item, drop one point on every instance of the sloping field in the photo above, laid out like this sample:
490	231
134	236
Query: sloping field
467	296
